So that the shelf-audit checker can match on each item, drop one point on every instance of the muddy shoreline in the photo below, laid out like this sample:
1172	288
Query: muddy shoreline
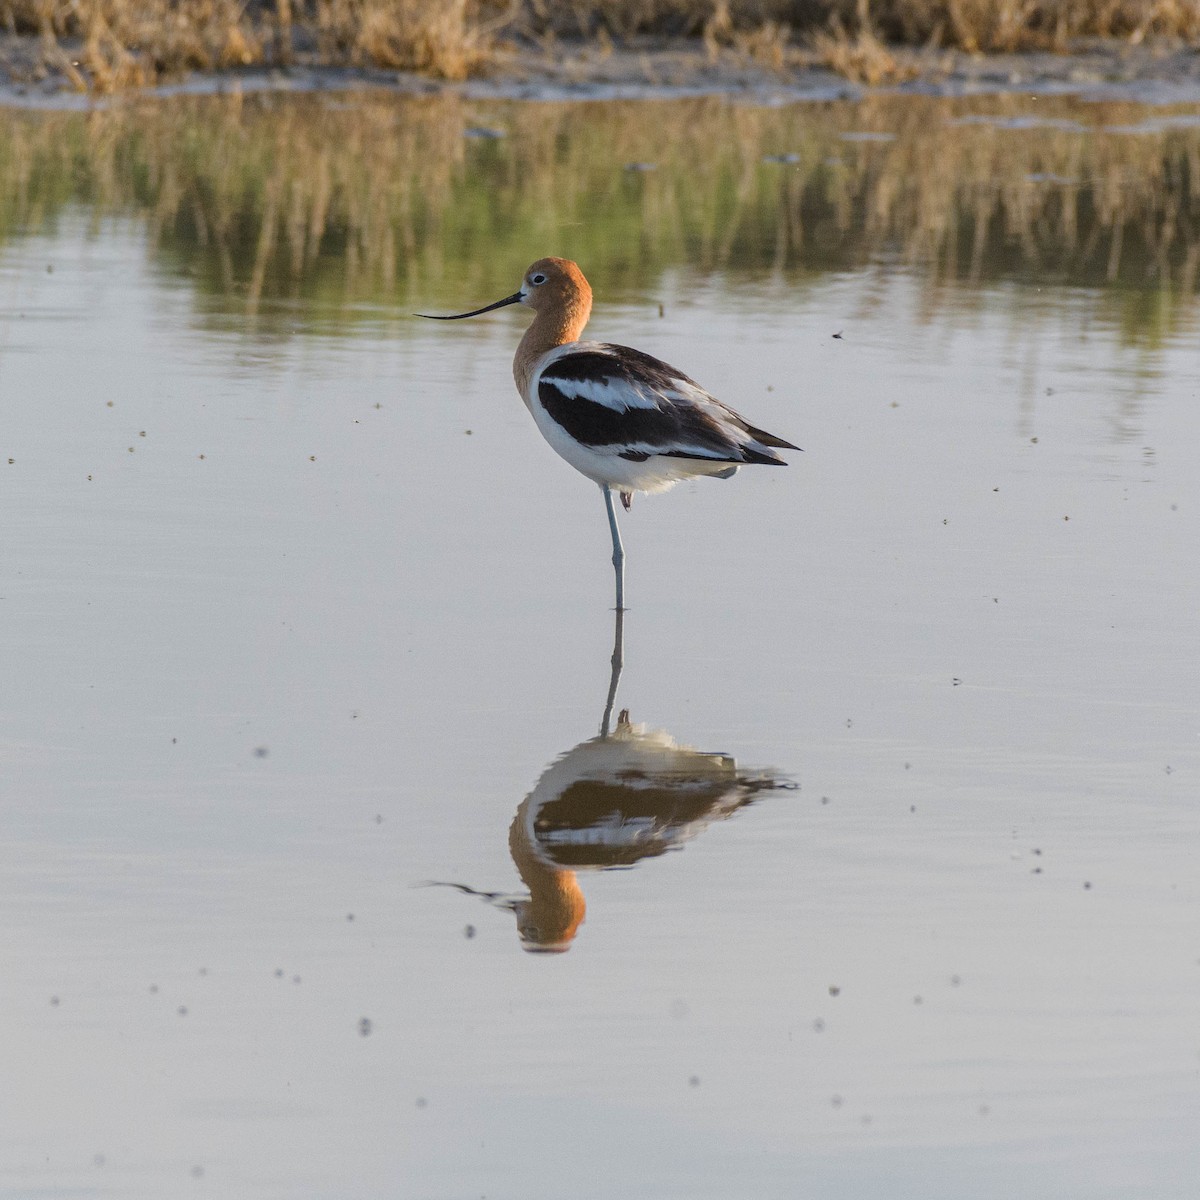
1151	74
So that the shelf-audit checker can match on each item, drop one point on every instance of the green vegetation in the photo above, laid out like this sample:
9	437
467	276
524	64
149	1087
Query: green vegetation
364	207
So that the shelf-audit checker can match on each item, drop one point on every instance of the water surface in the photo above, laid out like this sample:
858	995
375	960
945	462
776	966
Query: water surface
298	614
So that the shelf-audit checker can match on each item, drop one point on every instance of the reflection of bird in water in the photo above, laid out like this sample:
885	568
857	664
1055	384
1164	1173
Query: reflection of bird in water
627	421
612	801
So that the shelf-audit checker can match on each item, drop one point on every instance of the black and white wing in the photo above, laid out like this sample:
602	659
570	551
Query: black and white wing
616	400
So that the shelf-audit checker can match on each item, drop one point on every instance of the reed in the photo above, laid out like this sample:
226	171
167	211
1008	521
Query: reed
110	45
1007	25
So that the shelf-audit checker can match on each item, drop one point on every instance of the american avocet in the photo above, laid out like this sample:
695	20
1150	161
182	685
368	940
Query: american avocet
624	419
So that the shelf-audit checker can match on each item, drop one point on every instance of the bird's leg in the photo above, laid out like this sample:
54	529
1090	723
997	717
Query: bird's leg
618	661
626	500
618	555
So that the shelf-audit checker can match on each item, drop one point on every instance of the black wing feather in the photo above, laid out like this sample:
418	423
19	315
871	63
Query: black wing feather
671	423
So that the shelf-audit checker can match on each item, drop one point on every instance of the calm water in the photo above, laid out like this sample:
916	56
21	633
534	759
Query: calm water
298	614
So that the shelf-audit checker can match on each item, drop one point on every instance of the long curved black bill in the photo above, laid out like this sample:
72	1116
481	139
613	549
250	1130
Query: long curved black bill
515	298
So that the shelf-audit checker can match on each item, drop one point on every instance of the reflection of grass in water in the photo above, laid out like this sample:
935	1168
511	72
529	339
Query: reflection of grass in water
359	200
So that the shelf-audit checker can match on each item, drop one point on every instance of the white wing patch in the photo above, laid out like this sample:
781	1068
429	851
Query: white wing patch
607	401
616	394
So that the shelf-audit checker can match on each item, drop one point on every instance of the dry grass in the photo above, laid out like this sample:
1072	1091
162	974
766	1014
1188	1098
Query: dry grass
1009	25
447	38
117	45
108	45
860	56
671	18
856	39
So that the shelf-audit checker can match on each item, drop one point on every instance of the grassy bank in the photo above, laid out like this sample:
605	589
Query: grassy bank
110	45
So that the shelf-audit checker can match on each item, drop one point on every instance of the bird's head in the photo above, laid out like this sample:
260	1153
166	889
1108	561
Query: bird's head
555	286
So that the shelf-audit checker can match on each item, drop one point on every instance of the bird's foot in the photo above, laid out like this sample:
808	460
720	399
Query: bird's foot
626	500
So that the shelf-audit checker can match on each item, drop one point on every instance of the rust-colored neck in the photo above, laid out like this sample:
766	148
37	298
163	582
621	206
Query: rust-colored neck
560	317
556	906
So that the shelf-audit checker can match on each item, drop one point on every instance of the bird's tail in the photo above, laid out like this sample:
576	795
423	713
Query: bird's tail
769	439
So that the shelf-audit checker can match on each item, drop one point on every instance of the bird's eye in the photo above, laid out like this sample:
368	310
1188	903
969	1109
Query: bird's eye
537	279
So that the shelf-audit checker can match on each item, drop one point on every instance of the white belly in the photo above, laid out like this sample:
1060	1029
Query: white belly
604	465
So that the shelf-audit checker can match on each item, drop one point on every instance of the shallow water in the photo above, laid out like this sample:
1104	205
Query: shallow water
298	614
